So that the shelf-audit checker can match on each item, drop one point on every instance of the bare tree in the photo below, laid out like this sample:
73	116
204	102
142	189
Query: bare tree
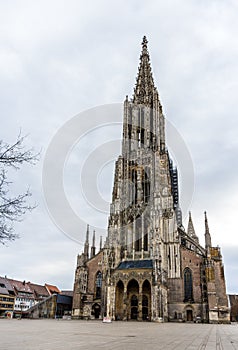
13	207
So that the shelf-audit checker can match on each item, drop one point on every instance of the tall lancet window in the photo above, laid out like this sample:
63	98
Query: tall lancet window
138	235
188	285
98	285
142	124
134	185
146	184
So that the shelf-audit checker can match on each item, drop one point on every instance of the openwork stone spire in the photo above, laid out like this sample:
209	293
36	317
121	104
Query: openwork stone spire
86	244
143	92
191	231
208	242
93	247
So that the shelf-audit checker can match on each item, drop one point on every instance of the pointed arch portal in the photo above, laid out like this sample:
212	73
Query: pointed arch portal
146	300
119	301
133	301
132	296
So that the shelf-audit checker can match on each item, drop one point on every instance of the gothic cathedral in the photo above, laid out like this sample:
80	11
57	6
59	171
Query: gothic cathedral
150	267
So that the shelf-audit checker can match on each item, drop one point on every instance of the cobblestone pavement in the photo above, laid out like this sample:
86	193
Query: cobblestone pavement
74	335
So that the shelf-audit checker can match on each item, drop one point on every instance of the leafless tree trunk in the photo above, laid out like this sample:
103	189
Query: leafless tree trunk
13	207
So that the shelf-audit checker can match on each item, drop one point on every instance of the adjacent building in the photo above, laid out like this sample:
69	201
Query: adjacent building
233	299
24	296
56	305
7	298
40	291
150	267
27	299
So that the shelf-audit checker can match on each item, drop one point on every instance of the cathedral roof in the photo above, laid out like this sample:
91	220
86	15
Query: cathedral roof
136	264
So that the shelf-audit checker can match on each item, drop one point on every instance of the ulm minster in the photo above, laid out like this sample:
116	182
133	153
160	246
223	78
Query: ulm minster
150	267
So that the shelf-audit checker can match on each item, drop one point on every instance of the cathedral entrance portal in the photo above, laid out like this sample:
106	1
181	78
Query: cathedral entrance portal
189	315
138	304
146	300
119	301
132	296
145	313
134	307
96	310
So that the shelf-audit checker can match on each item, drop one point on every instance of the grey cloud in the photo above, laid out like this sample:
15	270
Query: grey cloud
58	59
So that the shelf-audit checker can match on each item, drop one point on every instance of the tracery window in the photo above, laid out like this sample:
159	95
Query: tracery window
188	285
98	285
133	179
146	184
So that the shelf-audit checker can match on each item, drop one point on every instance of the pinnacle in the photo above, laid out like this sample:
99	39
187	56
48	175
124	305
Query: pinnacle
191	231
208	242
143	93
206	223
145	41
144	46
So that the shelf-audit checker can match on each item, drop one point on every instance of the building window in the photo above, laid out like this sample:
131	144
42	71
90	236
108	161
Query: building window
138	234
98	285
134	186
188	285
146	184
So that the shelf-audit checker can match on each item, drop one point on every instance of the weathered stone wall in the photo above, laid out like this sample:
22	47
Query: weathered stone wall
94	265
193	261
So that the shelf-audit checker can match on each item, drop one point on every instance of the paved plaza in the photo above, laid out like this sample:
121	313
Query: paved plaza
73	335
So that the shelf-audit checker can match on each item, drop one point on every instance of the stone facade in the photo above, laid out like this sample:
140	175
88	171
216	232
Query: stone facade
150	267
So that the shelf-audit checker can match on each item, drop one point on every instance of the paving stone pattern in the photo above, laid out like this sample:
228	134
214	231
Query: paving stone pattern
73	335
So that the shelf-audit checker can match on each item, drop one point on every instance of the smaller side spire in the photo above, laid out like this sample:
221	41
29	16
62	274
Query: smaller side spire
191	231
86	244
208	241
93	248
100	242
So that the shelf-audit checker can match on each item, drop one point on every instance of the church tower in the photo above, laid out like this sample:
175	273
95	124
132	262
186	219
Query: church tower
149	268
143	225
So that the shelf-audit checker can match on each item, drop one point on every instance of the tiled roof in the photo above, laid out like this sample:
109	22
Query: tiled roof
20	286
39	290
52	289
135	264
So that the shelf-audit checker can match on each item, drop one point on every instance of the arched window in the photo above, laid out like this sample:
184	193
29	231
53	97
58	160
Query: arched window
134	185
138	234
98	285
146	184
188	285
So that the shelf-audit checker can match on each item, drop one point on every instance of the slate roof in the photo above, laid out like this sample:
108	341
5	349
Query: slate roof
136	264
6	286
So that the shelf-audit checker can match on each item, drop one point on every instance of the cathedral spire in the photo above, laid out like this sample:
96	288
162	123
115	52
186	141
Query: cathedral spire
93	248
143	92
208	242
191	231
86	244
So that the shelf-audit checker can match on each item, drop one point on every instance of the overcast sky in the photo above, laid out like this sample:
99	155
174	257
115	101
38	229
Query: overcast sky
58	58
